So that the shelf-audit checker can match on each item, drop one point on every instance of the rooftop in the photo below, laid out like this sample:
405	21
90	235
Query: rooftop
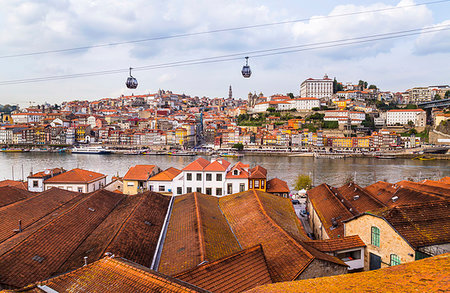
75	176
139	172
427	275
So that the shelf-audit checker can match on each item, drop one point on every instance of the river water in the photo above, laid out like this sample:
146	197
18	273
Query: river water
335	172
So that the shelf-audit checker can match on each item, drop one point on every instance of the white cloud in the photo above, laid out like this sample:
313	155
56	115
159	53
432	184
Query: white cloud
437	41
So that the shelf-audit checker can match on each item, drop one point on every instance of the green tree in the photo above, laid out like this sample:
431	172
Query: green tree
238	146
271	109
303	182
362	84
291	95
411	106
337	86
447	94
437	97
372	87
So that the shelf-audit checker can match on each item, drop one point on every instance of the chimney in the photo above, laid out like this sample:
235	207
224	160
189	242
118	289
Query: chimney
20	225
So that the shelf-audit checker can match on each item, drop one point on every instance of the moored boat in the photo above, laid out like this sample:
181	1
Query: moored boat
90	150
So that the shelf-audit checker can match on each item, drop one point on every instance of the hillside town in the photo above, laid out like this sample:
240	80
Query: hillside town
326	115
183	230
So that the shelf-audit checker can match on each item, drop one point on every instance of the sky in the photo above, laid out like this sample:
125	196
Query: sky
395	64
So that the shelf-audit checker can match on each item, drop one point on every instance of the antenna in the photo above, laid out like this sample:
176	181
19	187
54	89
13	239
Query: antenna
85	260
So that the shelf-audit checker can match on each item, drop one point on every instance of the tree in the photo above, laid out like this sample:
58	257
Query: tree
303	182
337	86
271	109
372	87
411	106
362	84
291	95
238	146
447	94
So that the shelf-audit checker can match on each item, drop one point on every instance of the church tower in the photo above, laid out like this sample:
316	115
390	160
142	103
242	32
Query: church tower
230	93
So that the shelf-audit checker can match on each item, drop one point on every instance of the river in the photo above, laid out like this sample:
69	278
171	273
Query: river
335	172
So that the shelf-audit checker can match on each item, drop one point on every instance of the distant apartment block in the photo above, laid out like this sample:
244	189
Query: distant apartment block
402	117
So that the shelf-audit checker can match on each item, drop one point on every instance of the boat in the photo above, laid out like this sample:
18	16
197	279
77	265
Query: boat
182	154
11	150
423	158
385	157
231	155
90	150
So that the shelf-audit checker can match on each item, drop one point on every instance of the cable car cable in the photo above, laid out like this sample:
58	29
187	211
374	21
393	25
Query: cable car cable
231	57
217	30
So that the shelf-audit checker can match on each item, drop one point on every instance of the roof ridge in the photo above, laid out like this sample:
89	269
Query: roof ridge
48	223
123	223
369	194
201	237
278	227
332	193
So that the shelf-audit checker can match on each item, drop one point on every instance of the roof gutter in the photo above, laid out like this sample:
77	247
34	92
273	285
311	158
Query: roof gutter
162	237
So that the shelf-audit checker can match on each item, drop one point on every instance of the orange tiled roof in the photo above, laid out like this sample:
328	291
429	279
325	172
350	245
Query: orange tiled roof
139	172
427	275
442	190
218	165
252	224
114	275
46	173
197	165
244	270
276	185
197	232
333	245
17	184
167	175
258	172
359	199
329	207
75	176
10	194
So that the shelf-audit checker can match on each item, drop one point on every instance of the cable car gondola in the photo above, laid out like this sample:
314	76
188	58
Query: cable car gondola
246	72
131	81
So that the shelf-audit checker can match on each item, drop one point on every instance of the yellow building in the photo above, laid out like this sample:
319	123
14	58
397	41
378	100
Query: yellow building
137	178
258	178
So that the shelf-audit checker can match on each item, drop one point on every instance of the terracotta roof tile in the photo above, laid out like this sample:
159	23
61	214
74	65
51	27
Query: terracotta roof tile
427	275
11	194
421	224
252	225
329	207
17	184
332	245
258	172
197	232
237	272
218	165
114	275
140	172
44	251
359	198
167	175
31	210
276	185
197	165
46	173
75	176
443	191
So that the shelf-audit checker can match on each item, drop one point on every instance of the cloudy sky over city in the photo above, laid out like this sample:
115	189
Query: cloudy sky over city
327	36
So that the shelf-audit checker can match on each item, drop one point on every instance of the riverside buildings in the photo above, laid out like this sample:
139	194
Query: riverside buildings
318	88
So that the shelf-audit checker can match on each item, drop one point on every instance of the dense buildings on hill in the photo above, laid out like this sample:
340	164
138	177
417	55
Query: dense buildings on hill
166	120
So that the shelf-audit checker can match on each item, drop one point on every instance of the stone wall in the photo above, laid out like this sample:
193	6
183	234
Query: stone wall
320	268
390	241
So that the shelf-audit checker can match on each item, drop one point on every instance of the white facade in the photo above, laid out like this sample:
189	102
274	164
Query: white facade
343	117
417	116
318	88
78	187
305	103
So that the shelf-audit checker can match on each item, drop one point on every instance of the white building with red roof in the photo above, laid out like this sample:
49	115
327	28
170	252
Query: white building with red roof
403	116
77	180
36	180
319	88
305	103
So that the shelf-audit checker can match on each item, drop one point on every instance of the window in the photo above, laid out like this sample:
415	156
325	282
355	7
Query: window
130	183
150	187
188	189
235	172
256	183
395	260
251	184
208	177
189	176
162	188
218	191
209	191
35	183
375	240
262	184
199	176
241	187
199	189
218	177
229	188
179	190
80	189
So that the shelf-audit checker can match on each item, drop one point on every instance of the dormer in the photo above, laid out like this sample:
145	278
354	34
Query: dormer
236	172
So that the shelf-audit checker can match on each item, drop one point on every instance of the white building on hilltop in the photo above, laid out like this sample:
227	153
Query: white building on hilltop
317	88
403	116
